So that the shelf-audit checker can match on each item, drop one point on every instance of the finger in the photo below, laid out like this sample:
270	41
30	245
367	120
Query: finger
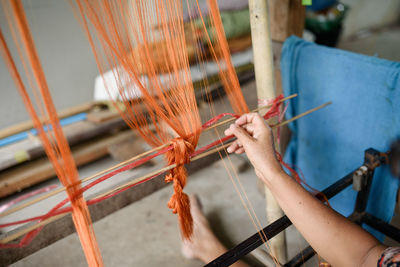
241	134
258	120
249	128
240	150
233	147
228	132
239	144
251	119
245	119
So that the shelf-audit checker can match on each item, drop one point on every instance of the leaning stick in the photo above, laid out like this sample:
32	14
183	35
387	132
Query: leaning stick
156	149
20	233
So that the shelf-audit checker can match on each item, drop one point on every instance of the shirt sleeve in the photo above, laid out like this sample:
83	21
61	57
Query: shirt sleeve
390	257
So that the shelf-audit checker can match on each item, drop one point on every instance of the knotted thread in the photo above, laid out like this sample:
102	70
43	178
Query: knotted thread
179	201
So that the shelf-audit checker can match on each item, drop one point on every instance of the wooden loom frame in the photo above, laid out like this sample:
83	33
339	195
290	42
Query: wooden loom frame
288	18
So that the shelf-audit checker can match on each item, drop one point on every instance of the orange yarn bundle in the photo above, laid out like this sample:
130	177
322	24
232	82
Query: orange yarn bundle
142	39
179	202
54	141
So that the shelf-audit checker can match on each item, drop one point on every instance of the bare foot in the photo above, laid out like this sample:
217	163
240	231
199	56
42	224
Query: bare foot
203	244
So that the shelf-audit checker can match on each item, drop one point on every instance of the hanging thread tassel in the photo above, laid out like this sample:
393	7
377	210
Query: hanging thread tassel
179	201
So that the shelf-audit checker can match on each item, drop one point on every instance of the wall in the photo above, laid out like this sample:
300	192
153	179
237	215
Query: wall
65	54
364	14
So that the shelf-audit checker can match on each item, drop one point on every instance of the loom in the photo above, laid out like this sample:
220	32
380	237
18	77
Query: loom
264	73
360	179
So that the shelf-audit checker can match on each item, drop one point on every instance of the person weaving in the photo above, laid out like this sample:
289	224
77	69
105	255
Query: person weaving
336	239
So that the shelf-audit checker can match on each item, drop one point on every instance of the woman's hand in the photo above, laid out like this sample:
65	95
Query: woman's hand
255	138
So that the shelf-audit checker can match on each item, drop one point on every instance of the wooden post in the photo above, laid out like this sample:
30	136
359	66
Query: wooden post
287	18
265	82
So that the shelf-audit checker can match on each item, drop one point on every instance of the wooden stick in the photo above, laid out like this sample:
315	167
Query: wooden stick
61	189
304	114
58	190
139	179
254	110
26	230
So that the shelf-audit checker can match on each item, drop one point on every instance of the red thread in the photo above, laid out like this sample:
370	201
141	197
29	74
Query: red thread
179	153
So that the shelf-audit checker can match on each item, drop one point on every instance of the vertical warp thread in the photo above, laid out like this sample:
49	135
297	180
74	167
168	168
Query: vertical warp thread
54	142
141	39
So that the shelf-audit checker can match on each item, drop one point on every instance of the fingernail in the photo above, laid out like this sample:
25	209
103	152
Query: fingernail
229	150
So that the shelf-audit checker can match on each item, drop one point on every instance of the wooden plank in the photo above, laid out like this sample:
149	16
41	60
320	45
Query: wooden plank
127	148
99	116
16	153
27	125
76	133
297	16
31	173
287	17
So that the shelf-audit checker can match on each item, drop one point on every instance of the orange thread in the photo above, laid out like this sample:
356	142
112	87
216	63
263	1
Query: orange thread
179	201
54	142
140	40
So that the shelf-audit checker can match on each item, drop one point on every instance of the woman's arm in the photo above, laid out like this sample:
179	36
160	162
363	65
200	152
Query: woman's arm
336	239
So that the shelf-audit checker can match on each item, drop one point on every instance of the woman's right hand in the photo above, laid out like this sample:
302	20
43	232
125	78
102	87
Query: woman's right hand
255	138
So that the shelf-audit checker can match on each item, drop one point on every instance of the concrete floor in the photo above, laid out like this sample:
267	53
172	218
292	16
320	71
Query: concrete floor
146	233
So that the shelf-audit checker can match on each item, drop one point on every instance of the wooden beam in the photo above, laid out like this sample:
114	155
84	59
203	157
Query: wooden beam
27	125
64	226
287	18
16	179
31	149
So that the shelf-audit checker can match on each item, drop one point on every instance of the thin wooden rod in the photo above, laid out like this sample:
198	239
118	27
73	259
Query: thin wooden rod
26	230
303	114
61	189
204	154
254	110
142	178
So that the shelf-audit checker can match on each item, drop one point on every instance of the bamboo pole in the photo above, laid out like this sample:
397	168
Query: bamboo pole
264	74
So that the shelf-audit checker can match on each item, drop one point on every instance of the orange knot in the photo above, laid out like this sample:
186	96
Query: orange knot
179	201
181	151
74	191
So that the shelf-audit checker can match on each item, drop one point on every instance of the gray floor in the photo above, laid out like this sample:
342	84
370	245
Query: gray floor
146	233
